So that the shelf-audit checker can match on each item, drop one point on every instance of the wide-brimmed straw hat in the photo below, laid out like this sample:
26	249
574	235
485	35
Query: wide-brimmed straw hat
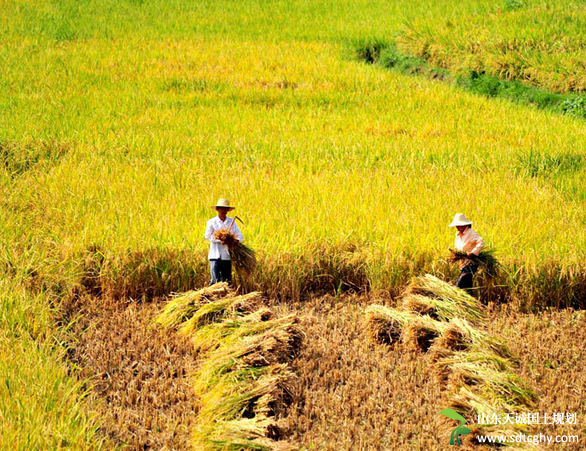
460	220
223	203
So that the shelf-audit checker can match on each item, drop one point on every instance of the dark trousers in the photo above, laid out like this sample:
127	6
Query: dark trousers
466	279
221	271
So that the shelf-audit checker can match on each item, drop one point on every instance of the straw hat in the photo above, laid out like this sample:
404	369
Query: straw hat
460	220
224	203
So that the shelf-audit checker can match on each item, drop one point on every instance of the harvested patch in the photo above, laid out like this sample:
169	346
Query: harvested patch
355	394
550	350
243	380
140	374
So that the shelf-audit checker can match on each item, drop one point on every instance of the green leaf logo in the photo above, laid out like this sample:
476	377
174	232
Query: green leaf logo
459	430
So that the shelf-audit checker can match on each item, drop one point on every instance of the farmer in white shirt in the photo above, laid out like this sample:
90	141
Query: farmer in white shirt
467	240
219	257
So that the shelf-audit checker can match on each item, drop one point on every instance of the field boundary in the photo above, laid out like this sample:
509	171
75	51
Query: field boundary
385	54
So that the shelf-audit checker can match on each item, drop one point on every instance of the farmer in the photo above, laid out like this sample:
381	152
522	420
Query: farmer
219	257
467	240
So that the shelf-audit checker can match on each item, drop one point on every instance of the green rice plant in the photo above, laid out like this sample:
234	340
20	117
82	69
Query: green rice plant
184	305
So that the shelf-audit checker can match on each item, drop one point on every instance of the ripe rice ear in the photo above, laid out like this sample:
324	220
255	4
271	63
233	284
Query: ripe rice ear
233	397
469	403
445	308
182	306
226	237
508	387
480	339
419	304
482	356
239	435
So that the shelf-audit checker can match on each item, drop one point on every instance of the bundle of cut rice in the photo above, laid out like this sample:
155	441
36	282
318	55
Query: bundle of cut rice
486	260
420	333
243	257
210	337
385	324
212	311
498	387
446	299
183	306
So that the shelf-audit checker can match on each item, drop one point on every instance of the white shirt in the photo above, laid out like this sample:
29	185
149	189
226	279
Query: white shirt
217	249
469	241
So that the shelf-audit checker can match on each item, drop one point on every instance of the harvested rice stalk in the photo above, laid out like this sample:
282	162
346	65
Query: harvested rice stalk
444	309
460	335
212	311
277	345
239	435
210	337
486	260
474	401
182	306
452	339
456	300
385	324
420	333
233	397
243	257
493	384
482	356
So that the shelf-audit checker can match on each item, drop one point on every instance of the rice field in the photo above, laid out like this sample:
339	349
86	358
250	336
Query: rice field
122	122
537	42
